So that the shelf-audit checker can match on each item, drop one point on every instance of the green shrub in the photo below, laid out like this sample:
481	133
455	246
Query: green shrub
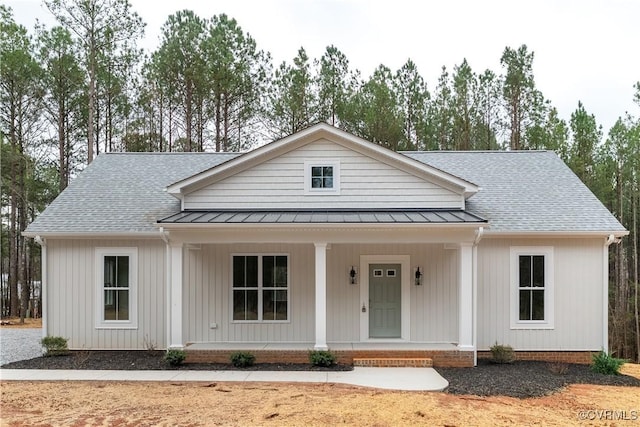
502	354
604	363
322	358
242	359
175	357
55	346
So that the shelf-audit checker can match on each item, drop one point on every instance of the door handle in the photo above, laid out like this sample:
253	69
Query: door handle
364	308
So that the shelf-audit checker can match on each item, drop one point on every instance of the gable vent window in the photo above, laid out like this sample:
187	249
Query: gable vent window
322	177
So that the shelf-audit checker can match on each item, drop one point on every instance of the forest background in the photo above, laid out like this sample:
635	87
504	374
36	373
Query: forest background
72	91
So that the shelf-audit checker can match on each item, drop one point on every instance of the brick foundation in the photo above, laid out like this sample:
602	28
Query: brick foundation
440	358
581	357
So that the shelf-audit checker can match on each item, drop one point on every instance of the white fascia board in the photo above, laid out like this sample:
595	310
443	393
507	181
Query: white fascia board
405	163
96	235
309	233
425	171
319	226
350	141
546	234
243	161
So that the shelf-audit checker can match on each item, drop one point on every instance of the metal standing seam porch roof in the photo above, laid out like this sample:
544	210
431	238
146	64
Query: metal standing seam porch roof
325	216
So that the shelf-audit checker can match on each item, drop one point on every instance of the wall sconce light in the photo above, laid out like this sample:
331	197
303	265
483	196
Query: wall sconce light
418	276
353	275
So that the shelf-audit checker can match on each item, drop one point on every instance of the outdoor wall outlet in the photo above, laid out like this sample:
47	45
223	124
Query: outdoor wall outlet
213	325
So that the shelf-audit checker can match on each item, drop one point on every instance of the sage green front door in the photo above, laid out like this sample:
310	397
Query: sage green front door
385	297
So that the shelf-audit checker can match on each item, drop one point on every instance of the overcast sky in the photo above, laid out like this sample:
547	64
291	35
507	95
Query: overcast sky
586	50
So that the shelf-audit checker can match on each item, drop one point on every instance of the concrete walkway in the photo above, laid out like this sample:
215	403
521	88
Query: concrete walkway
412	379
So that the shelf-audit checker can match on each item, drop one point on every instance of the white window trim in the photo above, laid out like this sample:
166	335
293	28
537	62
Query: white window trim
260	288
132	253
549	298
335	164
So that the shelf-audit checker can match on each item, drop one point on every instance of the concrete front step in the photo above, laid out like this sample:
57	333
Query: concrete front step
393	362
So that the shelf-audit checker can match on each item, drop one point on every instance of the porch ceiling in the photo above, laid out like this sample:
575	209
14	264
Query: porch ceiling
325	216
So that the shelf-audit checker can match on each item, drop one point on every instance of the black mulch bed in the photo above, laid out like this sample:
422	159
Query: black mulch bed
149	360
520	379
525	378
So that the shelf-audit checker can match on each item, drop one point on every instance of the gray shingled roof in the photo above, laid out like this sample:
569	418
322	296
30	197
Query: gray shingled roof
122	193
524	191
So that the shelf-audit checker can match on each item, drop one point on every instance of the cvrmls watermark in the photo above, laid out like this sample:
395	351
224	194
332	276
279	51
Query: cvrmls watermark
608	415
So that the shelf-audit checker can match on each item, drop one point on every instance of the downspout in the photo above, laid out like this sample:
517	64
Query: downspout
43	282
611	239
474	256
164	235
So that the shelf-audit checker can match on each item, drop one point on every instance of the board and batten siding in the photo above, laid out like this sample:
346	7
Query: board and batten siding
207	294
365	183
578	273
71	295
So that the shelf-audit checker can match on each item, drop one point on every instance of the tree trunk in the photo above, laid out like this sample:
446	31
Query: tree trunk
622	294
161	128
62	146
92	99
635	267
13	219
226	143
22	269
189	115
218	123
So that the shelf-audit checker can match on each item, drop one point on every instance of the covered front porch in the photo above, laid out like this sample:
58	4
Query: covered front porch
430	315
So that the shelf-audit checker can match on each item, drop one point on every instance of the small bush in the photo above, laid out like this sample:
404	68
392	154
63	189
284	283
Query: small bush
175	357
502	354
55	346
322	358
604	363
242	359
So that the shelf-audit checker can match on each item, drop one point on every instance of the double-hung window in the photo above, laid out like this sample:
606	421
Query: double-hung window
116	282
260	288
531	287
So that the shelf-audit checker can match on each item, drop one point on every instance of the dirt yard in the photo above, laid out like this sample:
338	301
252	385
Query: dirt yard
201	404
14	323
256	404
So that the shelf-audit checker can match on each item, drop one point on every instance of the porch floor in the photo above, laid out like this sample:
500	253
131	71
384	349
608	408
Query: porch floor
334	346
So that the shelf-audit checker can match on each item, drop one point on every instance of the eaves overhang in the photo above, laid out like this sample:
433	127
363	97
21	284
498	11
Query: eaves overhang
554	233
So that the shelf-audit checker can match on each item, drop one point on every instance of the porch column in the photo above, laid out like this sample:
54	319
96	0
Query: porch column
321	296
175	297
465	303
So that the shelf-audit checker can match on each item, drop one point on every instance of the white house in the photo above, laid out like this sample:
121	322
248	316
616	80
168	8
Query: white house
325	240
